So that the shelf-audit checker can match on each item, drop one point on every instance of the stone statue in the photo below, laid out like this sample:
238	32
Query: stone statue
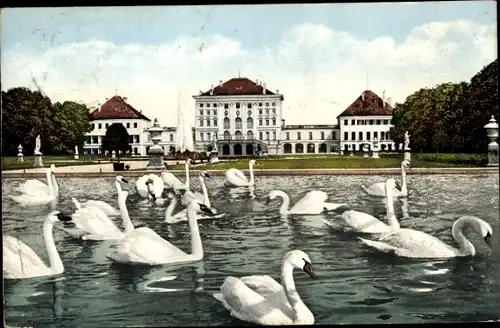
214	144
407	140
38	144
76	150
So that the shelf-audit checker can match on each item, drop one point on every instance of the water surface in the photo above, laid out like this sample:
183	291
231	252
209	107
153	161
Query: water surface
354	285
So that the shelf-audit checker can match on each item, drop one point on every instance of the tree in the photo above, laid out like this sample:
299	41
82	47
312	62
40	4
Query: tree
25	114
71	122
117	139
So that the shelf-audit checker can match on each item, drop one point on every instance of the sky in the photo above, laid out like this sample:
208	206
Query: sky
319	56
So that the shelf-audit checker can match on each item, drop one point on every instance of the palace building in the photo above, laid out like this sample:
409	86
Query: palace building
246	118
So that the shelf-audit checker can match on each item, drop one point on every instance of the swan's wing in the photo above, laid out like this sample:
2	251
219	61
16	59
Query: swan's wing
143	245
171	181
236	177
364	222
33	200
105	207
18	258
93	220
34	187
311	203
158	185
247	305
415	243
376	189
140	185
263	284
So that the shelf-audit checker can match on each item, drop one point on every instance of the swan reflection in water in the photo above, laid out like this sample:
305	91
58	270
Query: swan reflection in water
161	279
239	193
23	293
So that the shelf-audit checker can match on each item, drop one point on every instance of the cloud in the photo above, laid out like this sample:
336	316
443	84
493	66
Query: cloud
320	71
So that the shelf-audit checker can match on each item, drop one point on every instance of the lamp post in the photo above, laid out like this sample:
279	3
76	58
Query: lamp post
492	132
155	151
20	156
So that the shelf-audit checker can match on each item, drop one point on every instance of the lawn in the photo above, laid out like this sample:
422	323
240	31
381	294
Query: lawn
11	163
348	162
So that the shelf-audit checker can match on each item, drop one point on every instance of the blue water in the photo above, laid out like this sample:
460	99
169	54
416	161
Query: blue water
354	285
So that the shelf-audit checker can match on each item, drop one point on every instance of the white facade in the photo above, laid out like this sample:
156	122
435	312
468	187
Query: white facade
358	130
239	122
136	129
309	139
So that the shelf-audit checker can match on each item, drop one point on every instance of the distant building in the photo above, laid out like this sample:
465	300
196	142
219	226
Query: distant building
117	110
368	117
310	139
242	115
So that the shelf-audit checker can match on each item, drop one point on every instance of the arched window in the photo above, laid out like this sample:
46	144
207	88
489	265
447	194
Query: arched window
227	124
226	135
249	123
238	135
249	135
238	123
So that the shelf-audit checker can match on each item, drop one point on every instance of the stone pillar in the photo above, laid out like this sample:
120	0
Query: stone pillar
76	153
155	151
214	154
492	132
349	148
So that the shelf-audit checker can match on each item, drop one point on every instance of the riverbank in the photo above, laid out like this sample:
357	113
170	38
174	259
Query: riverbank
40	173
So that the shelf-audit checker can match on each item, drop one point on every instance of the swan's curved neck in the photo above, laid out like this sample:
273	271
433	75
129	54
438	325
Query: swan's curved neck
127	223
289	286
118	187
465	246
196	245
206	200
186	167
50	183
170	209
252	178
391	216
56	265
404	190
55	185
286	202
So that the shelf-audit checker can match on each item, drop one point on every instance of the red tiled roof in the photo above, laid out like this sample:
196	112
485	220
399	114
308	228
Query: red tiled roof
238	86
369	106
116	108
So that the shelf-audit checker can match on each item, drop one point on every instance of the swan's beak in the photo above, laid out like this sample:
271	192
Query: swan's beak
213	210
63	218
398	186
489	240
124	181
207	175
205	209
309	270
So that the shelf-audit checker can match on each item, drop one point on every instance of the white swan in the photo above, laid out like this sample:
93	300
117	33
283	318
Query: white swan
236	178
105	207
418	244
93	224
182	215
172	182
144	246
378	188
260	299
366	223
20	261
36	193
314	202
150	186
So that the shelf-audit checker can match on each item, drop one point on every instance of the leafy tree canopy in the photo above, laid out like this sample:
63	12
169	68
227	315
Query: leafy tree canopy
116	138
451	116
